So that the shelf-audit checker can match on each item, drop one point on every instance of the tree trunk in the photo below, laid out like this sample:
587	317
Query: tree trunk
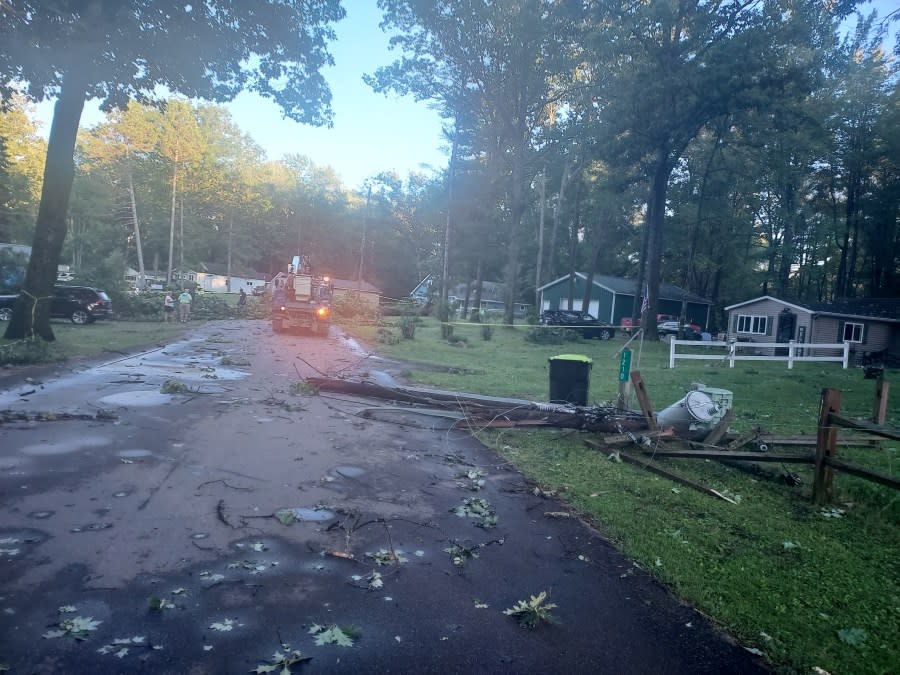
479	284
445	272
142	275
589	280
557	210
517	210
540	251
573	247
639	284
787	241
657	213
230	242
172	221
31	315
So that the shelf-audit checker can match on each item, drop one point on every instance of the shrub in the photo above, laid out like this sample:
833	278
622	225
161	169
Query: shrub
148	306
408	327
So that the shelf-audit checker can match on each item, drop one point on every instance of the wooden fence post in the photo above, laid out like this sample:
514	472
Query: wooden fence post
640	391
882	389
826	447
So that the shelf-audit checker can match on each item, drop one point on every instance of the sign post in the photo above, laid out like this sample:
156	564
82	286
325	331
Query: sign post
624	372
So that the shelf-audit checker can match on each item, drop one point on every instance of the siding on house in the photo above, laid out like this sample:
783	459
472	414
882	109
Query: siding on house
612	299
368	294
813	327
771	309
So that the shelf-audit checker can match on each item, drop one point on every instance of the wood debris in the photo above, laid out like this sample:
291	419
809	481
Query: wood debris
490	411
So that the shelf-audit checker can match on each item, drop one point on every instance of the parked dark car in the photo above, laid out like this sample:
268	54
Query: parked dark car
6	306
80	304
583	322
668	329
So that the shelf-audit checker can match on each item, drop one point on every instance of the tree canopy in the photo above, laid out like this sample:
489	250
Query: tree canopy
118	51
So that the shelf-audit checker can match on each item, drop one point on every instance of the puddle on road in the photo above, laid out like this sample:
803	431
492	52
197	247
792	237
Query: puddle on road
92	527
41	515
132	454
357	350
136	399
349	471
19	542
383	378
66	446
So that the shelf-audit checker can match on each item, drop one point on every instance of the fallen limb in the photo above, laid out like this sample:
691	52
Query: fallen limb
671	475
8	416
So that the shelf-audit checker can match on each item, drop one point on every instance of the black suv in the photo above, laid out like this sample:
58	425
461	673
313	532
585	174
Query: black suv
588	325
80	304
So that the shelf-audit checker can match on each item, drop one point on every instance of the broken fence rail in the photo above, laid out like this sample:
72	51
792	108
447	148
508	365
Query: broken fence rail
826	460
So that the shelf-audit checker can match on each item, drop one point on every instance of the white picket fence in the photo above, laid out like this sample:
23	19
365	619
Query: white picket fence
795	352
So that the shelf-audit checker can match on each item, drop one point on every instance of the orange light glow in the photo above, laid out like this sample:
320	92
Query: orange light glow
323	312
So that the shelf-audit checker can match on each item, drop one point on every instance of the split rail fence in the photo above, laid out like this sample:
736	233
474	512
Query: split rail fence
824	460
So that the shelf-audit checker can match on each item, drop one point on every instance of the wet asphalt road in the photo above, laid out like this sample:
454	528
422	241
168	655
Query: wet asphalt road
161	525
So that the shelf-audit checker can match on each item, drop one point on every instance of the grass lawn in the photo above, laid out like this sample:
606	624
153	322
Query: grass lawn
95	339
804	585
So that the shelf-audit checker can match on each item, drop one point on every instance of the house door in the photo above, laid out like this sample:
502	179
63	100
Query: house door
787	323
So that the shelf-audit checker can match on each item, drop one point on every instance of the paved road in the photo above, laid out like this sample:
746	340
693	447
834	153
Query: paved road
173	502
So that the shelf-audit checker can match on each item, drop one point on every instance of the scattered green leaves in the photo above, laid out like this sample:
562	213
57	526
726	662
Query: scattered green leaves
471	480
159	604
460	555
77	627
286	516
172	386
282	662
479	509
342	636
533	612
373	580
224	625
385	557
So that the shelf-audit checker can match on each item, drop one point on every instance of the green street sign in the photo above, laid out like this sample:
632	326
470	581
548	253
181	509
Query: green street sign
625	365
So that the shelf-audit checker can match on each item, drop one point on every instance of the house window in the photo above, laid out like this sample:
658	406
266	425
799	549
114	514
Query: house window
853	332
752	324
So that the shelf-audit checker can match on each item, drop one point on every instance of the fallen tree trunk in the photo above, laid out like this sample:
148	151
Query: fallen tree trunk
491	410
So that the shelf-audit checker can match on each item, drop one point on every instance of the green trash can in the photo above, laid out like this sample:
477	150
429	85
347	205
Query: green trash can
570	378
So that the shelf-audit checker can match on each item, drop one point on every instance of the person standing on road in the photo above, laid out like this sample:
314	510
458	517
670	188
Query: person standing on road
184	306
169	307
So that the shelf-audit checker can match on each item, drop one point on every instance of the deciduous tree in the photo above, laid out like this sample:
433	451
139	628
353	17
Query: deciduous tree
122	50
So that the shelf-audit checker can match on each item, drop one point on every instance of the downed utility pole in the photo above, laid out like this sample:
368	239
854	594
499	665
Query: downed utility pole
490	410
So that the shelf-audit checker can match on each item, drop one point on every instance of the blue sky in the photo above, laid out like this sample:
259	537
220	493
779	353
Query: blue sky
371	132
